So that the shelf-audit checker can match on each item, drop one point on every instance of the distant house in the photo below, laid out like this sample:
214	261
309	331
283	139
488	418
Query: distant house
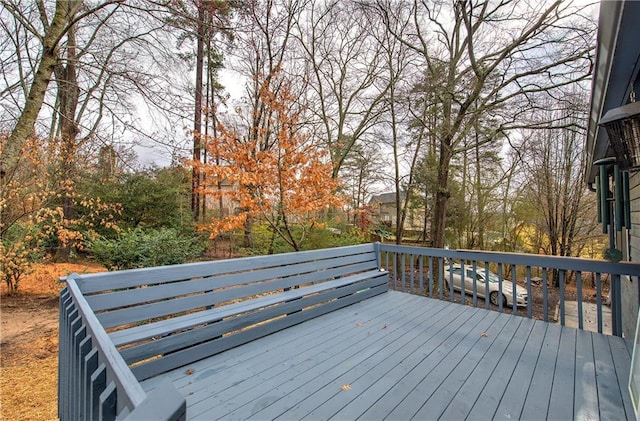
220	207
385	212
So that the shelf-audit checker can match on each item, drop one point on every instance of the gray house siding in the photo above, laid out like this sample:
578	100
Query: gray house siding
630	289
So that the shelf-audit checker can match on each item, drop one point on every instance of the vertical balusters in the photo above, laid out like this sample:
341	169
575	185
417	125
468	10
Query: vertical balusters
108	403
98	384
500	300
430	280
529	294
545	294
579	292
562	309
411	274
90	366
599	300
514	296
487	304
474	268
450	280
421	272
463	282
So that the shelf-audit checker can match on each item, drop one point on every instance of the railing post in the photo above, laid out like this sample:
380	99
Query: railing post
616	306
376	247
164	402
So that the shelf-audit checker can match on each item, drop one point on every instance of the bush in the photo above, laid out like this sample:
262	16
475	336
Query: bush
18	251
145	248
315	238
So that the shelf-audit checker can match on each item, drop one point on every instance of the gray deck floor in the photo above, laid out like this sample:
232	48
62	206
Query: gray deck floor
399	356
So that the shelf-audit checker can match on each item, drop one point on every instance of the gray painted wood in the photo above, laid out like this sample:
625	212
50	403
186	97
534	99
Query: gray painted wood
337	328
347	367
609	407
149	330
517	388
291	275
204	350
586	393
206	296
564	376
539	392
244	319
92	283
171	316
338	347
406	357
461	402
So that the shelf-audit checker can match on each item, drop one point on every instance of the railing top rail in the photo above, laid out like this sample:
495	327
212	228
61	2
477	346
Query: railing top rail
522	259
94	282
116	366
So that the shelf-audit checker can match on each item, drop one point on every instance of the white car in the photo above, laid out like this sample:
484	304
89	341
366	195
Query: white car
455	272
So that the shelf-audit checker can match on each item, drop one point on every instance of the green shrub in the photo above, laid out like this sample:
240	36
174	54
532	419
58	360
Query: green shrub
145	248
314	238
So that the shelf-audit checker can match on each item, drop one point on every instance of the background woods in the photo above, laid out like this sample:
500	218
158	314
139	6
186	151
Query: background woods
278	125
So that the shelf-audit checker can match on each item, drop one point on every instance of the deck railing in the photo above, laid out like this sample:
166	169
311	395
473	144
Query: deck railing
429	271
103	386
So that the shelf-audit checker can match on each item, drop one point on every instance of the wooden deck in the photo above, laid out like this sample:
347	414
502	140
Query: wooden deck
400	356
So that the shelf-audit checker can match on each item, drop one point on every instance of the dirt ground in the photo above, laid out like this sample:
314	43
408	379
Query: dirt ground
29	343
29	339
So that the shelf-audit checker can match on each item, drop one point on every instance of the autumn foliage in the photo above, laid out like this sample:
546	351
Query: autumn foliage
32	223
275	173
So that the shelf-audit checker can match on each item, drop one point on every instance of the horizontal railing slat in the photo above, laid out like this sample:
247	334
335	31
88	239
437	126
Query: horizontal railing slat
217	280
181	304
150	330
91	283
245	321
200	351
522	259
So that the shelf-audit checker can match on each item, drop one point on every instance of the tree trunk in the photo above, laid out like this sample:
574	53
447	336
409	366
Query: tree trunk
442	197
65	10
197	117
68	94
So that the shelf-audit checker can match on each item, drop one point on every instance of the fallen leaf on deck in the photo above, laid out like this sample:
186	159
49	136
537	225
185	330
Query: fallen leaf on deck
189	372
346	387
360	324
483	335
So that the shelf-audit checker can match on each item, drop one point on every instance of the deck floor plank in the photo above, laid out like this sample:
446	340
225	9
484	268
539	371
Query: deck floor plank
586	394
396	404
267	387
561	401
401	356
369	397
341	325
327	378
611	406
410	354
492	393
477	348
539	393
459	406
441	365
621	355
518	385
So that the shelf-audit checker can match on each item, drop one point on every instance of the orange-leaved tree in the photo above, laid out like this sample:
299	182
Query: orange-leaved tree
276	175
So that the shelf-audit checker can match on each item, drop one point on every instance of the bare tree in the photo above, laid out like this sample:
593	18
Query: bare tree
490	57
346	73
555	161
50	32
